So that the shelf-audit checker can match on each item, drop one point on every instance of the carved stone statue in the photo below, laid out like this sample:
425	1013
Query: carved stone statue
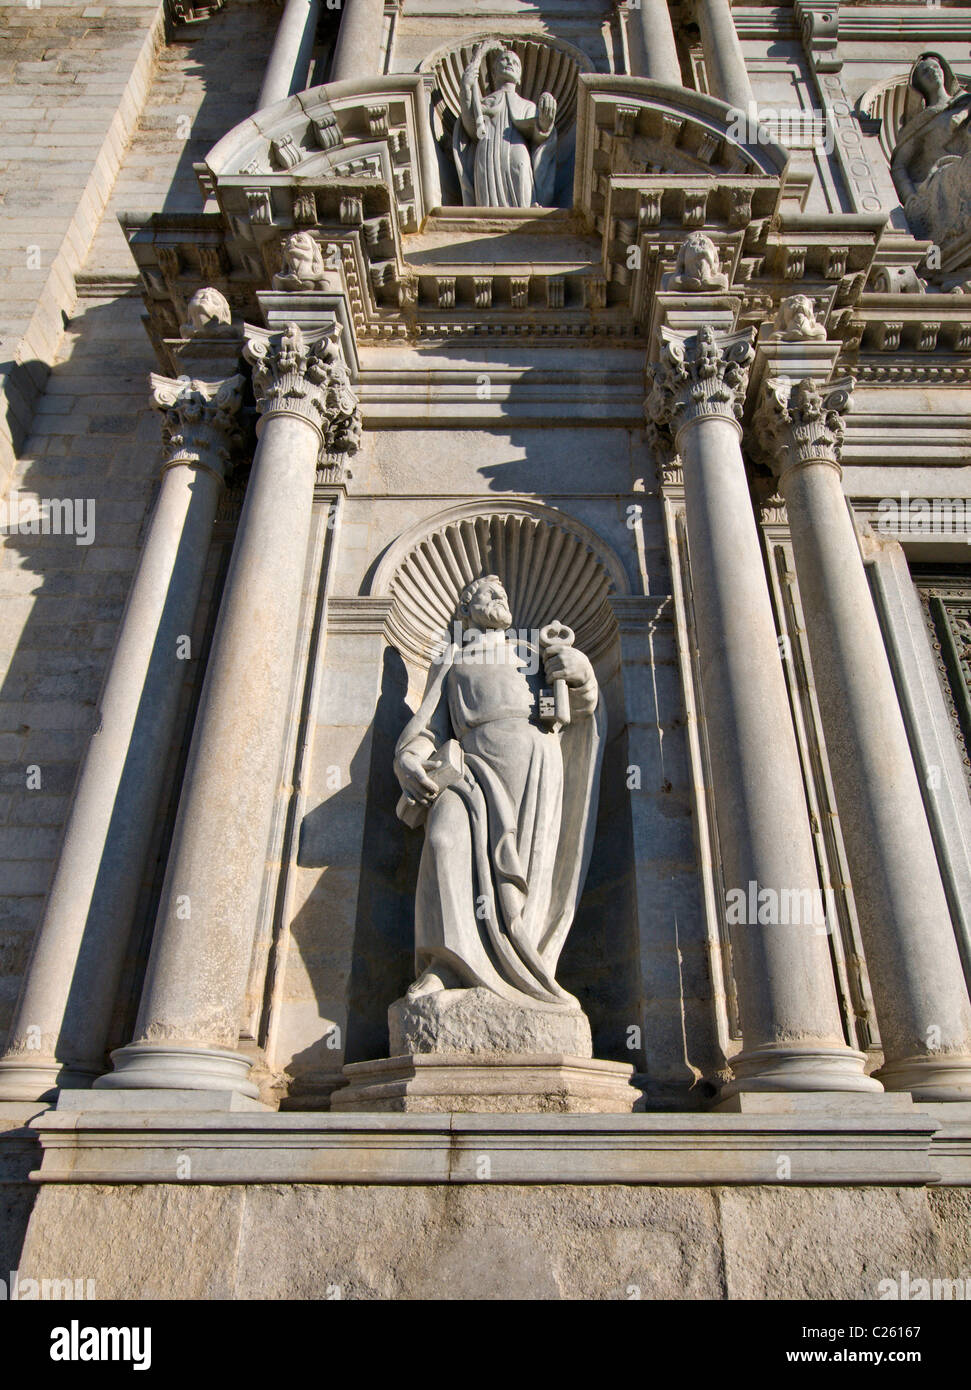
303	265
504	145
697	266
796	320
931	166
207	313
506	779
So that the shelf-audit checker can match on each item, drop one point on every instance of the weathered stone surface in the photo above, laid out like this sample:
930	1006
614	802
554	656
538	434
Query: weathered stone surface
505	1083
162	1241
810	1242
476	1020
496	1242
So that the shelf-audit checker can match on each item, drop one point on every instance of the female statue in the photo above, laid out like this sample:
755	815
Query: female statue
930	168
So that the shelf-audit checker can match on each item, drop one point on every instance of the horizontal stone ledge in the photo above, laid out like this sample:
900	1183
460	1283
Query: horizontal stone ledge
818	1148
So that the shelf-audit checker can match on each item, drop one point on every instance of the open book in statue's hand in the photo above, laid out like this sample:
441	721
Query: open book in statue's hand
445	766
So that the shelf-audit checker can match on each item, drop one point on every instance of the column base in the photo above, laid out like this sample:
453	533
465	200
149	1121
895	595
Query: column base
176	1067
40	1079
799	1069
488	1083
929	1078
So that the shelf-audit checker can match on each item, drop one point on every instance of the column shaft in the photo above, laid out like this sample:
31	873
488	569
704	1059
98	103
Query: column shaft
791	1025
651	35
289	66
724	61
59	1030
911	950
189	1019
358	52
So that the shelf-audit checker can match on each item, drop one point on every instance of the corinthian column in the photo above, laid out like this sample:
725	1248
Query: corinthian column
358	52
791	1025
912	955
59	1030
188	1021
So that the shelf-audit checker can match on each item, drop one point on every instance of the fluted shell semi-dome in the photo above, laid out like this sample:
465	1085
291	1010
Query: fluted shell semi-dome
549	65
548	570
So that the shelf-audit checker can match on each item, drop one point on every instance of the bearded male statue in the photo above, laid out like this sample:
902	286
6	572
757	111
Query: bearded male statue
504	144
506	777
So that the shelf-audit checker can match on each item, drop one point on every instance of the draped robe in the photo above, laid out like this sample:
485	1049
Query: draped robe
512	165
507	847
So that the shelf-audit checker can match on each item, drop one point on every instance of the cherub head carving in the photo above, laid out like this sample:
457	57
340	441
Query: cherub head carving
207	312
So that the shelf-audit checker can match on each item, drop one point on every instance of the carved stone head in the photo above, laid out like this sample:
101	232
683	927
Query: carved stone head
504	66
928	78
796	320
484	603
206	311
698	264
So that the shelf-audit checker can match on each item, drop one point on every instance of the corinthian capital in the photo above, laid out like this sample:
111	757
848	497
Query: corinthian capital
697	378
798	422
199	419
305	377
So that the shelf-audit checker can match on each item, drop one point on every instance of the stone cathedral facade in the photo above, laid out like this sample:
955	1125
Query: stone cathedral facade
486	637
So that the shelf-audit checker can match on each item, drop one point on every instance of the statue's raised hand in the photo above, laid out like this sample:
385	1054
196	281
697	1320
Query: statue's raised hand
546	113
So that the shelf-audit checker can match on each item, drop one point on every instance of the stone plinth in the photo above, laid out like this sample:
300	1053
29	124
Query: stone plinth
478	1021
488	1083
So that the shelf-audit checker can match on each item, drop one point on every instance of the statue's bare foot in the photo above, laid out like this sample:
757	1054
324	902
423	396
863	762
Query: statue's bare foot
430	982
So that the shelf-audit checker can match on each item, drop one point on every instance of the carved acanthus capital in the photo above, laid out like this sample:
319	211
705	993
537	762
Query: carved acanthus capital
305	377
200	425
799	422
697	378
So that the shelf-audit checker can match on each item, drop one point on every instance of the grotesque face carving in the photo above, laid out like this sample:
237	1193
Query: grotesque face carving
698	264
485	603
207	308
796	319
698	257
301	254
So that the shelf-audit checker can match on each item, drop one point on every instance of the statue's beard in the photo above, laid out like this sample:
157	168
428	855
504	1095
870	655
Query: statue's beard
495	614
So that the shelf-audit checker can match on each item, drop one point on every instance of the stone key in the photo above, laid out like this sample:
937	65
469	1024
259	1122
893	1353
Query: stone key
551	637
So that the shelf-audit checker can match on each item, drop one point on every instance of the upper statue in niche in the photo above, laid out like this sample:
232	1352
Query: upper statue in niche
505	778
504	145
931	165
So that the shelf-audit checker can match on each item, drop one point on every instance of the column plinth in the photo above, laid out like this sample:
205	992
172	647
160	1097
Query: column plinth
59	1031
919	989
791	1025
188	1023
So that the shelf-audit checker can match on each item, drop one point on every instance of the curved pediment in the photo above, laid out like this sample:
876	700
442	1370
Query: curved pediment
635	126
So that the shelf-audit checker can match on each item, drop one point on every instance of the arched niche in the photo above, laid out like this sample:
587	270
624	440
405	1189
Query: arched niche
553	567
